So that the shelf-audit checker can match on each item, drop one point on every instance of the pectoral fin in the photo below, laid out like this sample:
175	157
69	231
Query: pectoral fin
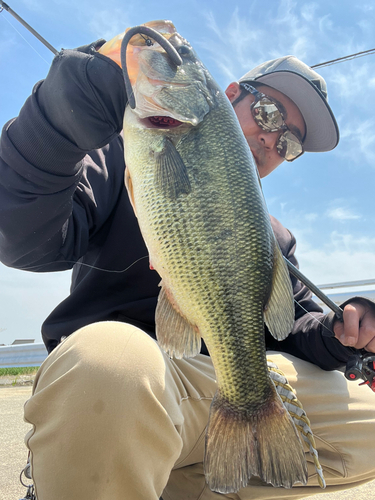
279	312
171	173
176	336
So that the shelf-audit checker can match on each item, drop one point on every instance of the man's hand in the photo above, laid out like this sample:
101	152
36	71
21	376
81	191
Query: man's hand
358	326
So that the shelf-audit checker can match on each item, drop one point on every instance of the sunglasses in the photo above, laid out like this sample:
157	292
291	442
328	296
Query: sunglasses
270	119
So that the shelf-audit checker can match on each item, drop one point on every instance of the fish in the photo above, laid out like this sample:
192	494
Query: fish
195	189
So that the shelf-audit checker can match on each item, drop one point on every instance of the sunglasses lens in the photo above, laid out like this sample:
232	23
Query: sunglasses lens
289	146
267	115
270	119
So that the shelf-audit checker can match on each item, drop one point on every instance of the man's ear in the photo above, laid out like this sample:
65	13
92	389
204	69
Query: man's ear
233	91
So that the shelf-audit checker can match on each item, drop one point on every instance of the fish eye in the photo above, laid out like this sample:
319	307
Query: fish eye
183	50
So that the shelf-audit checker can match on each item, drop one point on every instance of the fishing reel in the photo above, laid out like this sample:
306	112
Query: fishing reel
362	366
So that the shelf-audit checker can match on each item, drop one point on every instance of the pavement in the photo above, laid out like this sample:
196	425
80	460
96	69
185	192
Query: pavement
13	453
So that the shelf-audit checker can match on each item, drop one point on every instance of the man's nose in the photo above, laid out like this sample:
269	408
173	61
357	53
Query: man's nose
268	139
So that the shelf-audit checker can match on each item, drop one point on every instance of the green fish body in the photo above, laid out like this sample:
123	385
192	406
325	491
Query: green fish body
196	192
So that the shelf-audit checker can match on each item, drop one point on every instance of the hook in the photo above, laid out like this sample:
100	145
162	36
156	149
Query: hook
151	34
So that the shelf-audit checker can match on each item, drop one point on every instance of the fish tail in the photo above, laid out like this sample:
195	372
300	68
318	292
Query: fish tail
241	443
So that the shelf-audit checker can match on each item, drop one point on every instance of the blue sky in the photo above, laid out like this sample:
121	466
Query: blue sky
325	199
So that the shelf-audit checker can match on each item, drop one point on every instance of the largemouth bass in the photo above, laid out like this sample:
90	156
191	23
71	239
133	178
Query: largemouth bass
195	189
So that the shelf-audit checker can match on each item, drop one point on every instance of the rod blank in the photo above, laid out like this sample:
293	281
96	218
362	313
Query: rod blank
6	7
322	296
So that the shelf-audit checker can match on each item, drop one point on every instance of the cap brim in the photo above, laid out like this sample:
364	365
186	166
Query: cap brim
322	132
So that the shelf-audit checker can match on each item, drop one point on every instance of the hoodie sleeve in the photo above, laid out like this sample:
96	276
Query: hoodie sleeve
49	201
306	340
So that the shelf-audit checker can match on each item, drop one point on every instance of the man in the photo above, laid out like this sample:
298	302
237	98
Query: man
112	415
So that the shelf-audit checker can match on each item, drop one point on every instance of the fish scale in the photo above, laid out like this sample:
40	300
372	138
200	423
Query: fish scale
201	211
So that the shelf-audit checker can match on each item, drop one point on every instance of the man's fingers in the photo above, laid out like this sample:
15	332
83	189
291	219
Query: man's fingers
351	317
370	346
338	329
357	328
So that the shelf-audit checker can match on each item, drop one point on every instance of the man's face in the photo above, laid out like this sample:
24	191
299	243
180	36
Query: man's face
262	143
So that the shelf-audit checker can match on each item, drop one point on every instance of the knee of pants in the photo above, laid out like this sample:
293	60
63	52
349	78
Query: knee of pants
99	411
105	355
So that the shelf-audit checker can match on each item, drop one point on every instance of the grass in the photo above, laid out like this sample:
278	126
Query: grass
26	370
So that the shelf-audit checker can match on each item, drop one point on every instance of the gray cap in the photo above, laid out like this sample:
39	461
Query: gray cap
308	90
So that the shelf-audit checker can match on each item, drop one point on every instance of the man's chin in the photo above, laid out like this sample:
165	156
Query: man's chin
256	155
258	161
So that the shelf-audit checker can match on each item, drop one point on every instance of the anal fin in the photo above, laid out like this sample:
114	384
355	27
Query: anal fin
279	312
176	336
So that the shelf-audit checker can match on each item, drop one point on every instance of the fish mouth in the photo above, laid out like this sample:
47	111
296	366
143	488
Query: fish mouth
163	122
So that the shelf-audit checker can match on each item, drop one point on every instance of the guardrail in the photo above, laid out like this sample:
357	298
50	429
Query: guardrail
347	284
34	354
341	297
22	355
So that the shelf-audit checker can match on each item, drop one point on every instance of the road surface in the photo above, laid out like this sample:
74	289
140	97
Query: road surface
13	452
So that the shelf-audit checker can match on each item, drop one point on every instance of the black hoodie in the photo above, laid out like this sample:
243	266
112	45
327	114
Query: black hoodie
61	208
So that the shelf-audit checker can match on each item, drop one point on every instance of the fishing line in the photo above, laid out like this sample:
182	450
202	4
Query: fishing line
147	40
149	34
77	263
310	314
4	6
135	262
28	43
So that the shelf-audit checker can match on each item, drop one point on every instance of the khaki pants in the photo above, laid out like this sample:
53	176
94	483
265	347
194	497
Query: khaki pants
112	416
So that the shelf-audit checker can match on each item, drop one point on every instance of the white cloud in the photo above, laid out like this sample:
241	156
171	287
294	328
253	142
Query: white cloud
308	12
341	214
107	23
358	141
27	299
8	45
311	217
352	78
366	26
325	24
351	244
234	48
366	7
343	258
247	39
327	256
212	24
34	5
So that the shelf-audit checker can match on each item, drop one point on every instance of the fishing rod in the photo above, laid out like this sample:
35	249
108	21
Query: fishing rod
4	6
314	289
292	269
359	366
